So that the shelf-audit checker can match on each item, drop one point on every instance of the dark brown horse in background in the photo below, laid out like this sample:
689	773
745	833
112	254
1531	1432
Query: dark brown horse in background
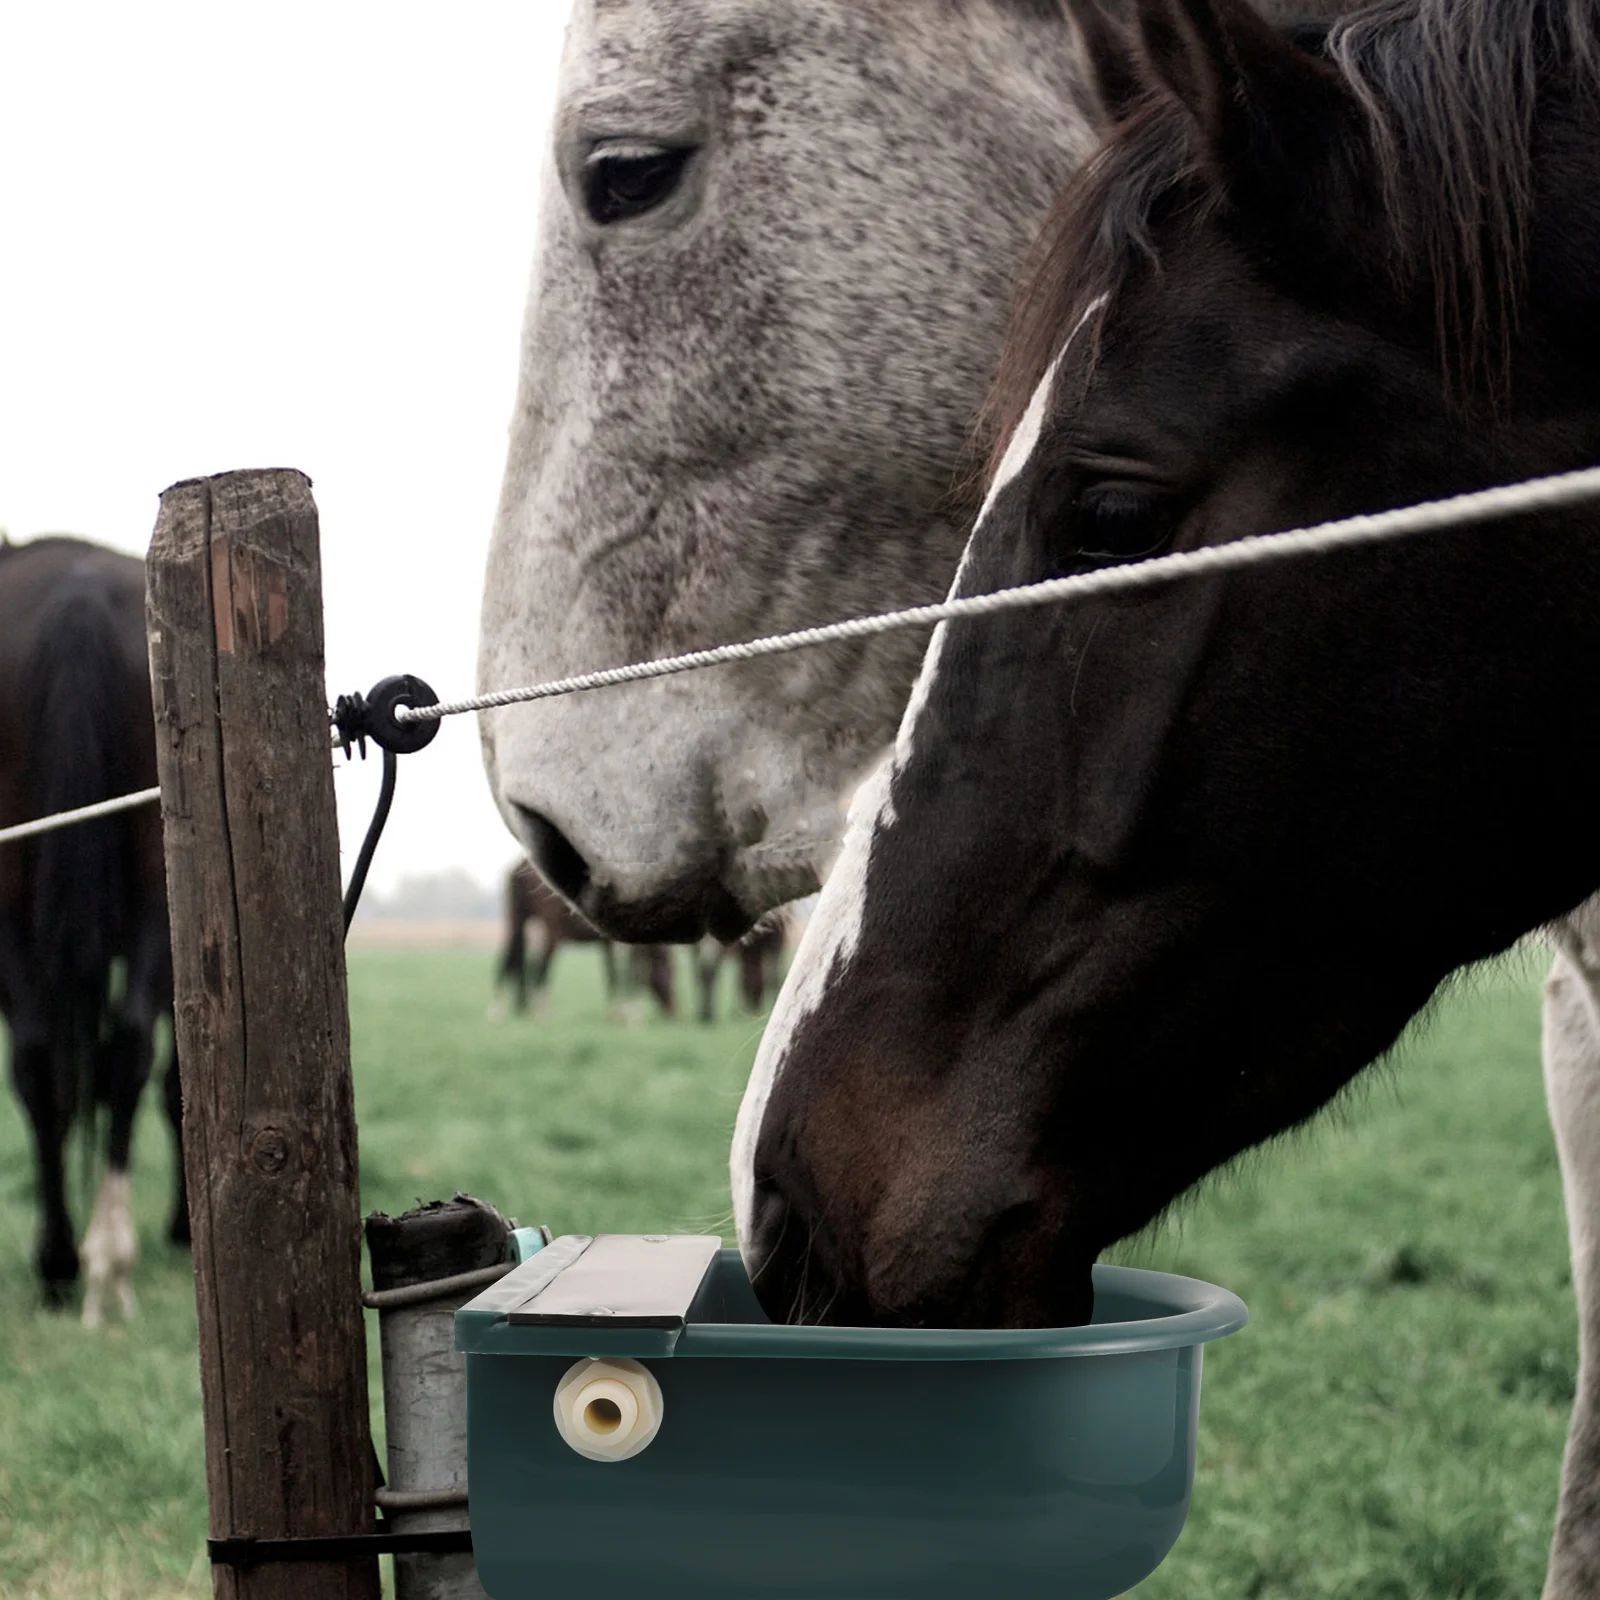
85	958
529	899
760	957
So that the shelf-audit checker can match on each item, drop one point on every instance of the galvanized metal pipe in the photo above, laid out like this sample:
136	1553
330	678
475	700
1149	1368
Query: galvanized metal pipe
424	1265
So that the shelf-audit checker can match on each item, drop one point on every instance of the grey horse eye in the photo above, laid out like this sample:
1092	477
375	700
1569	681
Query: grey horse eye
620	182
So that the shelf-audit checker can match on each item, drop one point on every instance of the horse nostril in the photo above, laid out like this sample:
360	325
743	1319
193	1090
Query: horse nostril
554	854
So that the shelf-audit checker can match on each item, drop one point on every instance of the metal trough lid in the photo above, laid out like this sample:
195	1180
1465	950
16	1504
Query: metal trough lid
622	1280
605	1284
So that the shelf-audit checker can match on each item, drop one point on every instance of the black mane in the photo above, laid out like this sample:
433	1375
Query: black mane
1448	90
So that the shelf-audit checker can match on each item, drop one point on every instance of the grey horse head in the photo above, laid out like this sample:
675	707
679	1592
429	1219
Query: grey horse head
774	267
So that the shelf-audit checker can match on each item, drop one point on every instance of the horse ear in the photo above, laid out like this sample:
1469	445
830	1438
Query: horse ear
1112	57
1264	106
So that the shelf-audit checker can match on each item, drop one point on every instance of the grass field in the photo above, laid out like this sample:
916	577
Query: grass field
1389	1427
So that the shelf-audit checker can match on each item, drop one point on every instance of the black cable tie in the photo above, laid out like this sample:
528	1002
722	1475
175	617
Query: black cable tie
245	1551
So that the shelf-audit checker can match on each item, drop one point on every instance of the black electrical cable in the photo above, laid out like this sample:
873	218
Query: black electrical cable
357	718
369	845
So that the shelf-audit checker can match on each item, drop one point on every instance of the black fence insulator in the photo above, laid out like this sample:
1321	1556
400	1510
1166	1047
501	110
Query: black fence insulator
359	717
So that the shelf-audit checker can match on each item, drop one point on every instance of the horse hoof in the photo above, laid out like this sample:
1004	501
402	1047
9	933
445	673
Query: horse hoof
58	1268
57	1293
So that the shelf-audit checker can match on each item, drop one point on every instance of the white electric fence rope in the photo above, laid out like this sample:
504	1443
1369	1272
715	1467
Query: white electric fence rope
1482	505
1462	510
65	819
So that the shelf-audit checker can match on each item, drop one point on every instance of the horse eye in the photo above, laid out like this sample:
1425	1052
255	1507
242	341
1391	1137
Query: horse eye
1120	522
627	180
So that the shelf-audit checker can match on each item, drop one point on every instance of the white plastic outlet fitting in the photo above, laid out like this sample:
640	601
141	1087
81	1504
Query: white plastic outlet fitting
608	1409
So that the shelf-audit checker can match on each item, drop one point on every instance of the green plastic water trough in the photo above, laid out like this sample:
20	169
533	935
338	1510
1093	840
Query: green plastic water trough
637	1427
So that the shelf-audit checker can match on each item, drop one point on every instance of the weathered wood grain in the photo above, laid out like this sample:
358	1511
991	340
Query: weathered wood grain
236	652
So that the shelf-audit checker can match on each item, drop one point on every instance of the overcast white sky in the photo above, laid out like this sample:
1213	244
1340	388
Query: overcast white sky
286	235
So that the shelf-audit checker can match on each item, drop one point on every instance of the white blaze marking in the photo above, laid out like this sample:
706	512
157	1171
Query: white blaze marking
1019	451
834	930
828	942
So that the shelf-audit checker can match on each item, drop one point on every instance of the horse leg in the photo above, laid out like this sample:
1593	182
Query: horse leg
159	973
110	1247
172	1093
123	1062
1572	1084
111	1244
619	982
661	979
707	963
47	1099
548	942
544	960
511	970
752	975
519	971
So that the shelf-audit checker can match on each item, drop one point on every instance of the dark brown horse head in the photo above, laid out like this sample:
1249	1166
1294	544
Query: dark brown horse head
1150	879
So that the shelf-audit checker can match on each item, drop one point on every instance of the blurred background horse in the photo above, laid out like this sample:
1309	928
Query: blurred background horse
759	955
85	959
525	962
530	901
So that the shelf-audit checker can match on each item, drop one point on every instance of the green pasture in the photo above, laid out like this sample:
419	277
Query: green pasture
1389	1427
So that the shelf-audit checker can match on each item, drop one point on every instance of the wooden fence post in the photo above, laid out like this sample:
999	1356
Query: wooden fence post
263	1030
